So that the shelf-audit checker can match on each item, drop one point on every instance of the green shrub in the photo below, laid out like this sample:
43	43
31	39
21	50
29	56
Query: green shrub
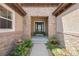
51	46
53	40
28	43
22	49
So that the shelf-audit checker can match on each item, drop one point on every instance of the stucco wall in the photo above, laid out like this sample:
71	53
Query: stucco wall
68	29
39	11
19	22
7	39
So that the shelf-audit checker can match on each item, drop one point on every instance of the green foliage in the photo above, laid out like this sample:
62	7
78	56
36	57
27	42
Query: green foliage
39	33
52	43
28	43
53	40
57	51
23	48
20	50
60	52
51	46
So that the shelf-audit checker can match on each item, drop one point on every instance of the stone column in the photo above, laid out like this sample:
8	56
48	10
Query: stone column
51	26
27	27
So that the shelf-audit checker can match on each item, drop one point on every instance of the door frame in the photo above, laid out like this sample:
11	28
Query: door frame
39	21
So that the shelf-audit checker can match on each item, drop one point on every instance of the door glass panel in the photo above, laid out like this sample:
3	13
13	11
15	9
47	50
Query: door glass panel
39	26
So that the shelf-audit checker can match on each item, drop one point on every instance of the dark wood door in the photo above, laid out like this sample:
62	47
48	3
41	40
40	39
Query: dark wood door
39	26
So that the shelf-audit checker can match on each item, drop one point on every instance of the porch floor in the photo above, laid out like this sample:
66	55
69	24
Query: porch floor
39	47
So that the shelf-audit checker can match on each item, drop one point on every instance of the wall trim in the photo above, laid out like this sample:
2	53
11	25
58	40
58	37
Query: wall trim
71	34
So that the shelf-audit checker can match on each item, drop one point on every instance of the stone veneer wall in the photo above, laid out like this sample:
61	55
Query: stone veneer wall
7	39
70	42
68	29
7	42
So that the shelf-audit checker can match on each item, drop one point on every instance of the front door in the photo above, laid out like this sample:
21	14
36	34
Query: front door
39	27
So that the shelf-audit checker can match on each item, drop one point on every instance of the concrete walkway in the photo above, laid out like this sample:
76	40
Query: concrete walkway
39	39
39	47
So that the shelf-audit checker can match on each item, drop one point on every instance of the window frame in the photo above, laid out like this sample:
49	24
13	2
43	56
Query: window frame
12	20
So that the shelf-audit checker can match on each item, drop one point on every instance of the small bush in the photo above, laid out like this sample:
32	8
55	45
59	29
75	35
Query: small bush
53	40
28	43
51	46
22	49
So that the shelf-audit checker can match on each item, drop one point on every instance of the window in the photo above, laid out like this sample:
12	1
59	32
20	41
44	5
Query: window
5	18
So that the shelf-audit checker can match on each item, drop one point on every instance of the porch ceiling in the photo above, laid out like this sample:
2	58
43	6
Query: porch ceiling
39	4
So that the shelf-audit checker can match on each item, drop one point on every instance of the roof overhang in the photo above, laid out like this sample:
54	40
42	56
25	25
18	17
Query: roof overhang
17	7
61	8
